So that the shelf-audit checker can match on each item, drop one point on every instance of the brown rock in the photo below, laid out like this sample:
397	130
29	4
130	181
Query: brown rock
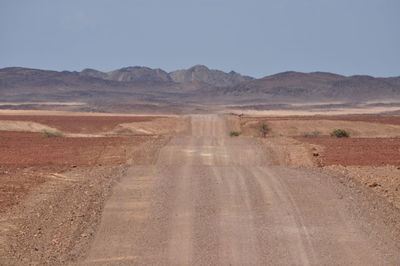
374	184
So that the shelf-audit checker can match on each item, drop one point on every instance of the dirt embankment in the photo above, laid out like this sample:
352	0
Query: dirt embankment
371	156
53	188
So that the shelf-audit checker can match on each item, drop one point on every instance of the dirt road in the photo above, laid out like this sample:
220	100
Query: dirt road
210	199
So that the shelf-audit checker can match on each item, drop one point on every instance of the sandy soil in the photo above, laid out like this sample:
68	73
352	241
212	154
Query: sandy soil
156	126
94	126
25	126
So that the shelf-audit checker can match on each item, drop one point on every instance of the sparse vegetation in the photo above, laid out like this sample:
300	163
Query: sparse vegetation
313	134
234	133
340	133
264	129
52	134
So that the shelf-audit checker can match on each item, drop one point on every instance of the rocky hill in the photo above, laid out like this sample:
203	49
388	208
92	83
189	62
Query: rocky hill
204	74
128	74
198	73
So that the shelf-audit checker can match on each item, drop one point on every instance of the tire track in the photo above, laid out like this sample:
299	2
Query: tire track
213	200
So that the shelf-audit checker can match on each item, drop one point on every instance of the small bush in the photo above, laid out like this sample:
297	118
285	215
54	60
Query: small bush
264	129
313	134
234	133
52	134
340	133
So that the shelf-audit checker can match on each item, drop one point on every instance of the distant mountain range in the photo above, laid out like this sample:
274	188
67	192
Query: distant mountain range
197	84
319	86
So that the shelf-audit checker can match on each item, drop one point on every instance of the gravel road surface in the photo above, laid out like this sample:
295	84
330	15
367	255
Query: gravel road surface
211	199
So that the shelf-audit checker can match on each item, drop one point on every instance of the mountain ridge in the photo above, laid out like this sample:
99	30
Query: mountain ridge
197	84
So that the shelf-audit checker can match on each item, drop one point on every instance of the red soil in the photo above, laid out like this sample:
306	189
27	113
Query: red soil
358	151
26	149
27	159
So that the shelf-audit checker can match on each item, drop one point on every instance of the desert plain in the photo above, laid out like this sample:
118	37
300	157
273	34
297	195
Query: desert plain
117	189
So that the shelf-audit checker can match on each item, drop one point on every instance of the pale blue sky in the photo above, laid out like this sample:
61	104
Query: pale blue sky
253	37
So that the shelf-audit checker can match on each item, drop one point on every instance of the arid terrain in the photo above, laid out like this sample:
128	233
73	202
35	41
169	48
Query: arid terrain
202	132
57	170
107	189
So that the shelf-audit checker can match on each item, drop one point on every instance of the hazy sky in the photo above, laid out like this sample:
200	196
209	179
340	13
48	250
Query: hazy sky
253	37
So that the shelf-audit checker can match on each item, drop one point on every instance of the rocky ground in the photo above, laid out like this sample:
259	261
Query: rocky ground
53	188
370	157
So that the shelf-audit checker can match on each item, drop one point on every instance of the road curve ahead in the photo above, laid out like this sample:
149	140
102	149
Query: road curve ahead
210	199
